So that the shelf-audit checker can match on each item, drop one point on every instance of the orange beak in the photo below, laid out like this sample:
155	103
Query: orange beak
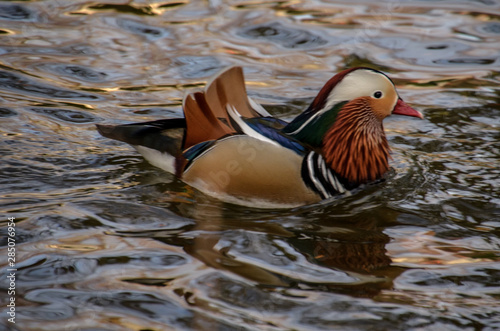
402	108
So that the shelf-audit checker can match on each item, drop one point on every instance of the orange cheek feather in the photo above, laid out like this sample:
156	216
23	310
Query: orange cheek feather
383	107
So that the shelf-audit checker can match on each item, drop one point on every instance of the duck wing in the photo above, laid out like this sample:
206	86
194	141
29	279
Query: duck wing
207	112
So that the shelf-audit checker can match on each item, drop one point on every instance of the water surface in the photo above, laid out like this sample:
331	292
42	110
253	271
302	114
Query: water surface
105	241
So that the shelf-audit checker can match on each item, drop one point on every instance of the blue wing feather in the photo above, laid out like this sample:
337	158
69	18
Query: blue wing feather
196	150
271	128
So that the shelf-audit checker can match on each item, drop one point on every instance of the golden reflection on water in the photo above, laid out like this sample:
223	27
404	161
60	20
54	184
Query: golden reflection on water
105	241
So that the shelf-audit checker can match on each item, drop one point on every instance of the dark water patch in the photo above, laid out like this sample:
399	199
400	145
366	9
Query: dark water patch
486	2
490	27
149	281
172	4
275	262
77	164
466	61
125	9
78	72
288	108
192	66
344	248
412	220
285	36
347	314
16	82
142	29
163	235
44	174
65	51
22	236
121	161
327	311
471	212
437	46
117	212
354	60
79	49
445	52
15	12
143	305
395	43
55	270
50	104
465	83
459	118
430	145
13	170
51	313
61	304
6	112
157	111
62	223
67	115
473	280
151	260
219	287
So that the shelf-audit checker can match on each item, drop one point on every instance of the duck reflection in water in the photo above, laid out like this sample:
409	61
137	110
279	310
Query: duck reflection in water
338	255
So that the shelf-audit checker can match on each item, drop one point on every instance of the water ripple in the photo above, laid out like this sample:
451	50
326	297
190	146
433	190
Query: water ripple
287	37
106	241
19	83
15	12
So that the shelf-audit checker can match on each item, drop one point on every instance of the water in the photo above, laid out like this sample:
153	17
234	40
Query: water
105	241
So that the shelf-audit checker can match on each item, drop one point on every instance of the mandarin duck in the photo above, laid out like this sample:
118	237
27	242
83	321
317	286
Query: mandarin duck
230	147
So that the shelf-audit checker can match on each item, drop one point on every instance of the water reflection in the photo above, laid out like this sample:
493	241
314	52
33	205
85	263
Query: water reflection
326	255
106	241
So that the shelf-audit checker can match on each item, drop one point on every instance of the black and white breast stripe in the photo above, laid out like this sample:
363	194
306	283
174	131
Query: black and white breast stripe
319	177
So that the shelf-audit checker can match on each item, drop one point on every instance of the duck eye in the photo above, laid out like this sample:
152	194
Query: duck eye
377	94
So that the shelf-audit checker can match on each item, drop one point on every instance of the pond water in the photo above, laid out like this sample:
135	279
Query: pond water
105	241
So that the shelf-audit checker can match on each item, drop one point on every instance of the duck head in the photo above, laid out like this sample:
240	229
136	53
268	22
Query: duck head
345	119
372	85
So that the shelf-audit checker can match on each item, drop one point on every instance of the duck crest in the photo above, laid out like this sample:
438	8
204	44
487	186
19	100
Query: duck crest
321	99
355	147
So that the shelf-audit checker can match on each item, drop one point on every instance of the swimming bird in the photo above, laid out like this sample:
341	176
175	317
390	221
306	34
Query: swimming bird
228	146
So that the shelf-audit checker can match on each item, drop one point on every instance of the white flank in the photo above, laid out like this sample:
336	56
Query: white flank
322	165
331	178
161	160
335	183
316	182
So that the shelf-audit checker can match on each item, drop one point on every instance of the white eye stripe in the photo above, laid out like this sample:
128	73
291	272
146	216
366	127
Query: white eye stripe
357	84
